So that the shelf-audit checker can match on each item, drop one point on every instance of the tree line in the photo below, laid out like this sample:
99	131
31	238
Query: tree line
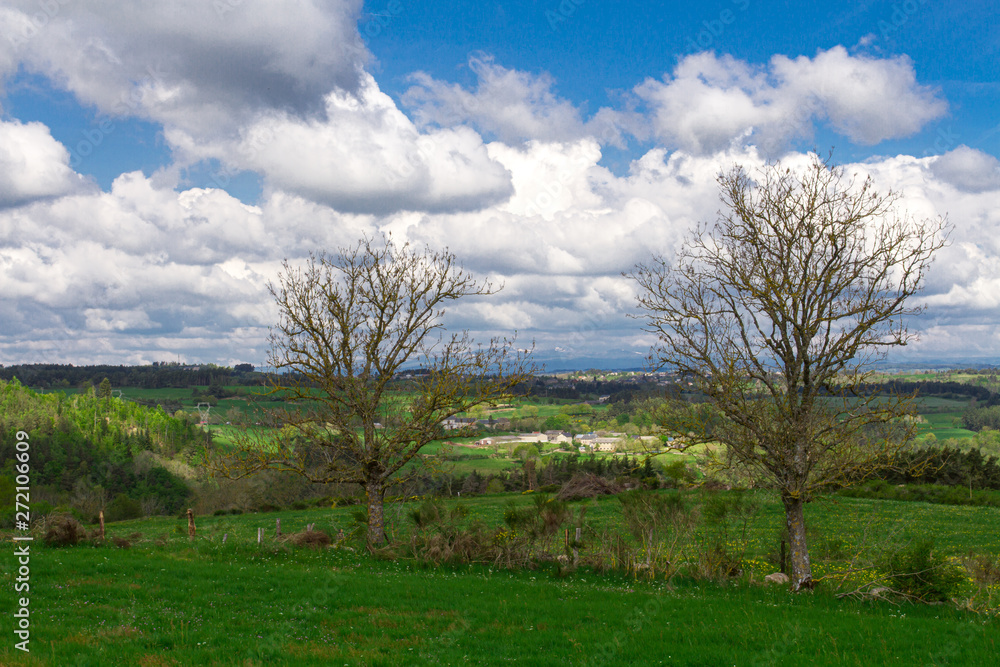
939	388
91	452
153	376
979	418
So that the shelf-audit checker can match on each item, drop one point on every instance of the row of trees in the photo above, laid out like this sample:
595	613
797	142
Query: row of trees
979	418
945	465
804	279
156	376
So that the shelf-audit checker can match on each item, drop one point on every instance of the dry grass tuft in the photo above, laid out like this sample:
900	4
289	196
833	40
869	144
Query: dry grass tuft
587	485
315	539
62	530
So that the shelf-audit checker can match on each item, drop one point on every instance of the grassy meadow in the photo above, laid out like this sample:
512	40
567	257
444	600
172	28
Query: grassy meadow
157	598
168	600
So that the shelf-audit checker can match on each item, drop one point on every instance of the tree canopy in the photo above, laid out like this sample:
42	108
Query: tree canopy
777	311
350	326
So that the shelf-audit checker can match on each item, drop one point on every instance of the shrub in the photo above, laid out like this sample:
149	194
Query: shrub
983	568
494	486
677	474
123	508
63	530
662	523
716	561
919	571
428	514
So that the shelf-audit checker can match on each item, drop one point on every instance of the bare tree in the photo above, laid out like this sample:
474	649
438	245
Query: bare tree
349	323
777	311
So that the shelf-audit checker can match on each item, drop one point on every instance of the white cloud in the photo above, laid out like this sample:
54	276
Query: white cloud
364	156
191	64
33	165
105	319
964	280
968	169
144	272
153	273
709	102
511	105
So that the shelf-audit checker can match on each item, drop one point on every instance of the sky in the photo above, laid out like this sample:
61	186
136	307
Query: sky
159	161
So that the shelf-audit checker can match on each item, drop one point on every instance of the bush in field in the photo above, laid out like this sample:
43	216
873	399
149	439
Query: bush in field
441	538
919	571
537	522
662	524
728	521
677	475
62	530
123	508
983	568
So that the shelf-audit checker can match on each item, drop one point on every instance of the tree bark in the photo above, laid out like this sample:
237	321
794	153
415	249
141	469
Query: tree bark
801	574
376	523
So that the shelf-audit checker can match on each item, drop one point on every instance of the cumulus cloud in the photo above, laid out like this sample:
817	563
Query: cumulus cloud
511	105
33	165
968	169
143	271
367	156
964	281
190	64
709	101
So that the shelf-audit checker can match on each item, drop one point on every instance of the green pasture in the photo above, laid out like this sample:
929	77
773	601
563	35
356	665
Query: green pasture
167	600
942	425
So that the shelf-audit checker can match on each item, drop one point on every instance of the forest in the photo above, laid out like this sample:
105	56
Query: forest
92	451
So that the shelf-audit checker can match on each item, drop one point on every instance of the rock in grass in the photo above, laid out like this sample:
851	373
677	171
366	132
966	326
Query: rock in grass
777	578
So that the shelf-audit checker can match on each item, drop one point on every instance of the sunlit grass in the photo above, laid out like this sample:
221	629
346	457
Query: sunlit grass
171	601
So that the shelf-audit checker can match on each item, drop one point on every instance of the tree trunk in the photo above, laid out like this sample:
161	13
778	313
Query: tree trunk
529	468
801	574
376	525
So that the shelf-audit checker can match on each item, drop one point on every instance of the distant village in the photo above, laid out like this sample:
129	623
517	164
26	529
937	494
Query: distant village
567	385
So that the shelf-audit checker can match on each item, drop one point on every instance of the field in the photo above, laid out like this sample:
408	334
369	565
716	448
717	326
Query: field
170	601
224	599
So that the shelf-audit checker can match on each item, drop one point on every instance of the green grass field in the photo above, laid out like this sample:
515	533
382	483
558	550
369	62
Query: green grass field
942	425
171	601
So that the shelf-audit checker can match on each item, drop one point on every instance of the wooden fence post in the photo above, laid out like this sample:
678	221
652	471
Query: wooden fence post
190	524
277	528
101	518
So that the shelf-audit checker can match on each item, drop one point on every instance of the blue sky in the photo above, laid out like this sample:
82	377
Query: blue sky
158	161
